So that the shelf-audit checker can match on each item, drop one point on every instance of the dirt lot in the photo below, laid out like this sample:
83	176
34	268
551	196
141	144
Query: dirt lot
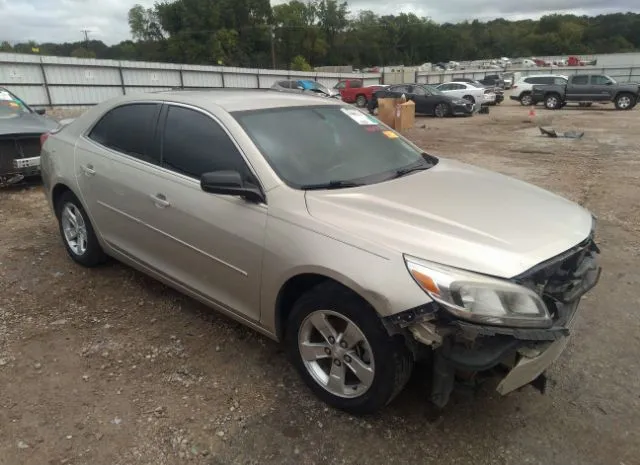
107	366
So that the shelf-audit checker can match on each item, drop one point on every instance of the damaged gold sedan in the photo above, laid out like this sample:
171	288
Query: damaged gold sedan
321	227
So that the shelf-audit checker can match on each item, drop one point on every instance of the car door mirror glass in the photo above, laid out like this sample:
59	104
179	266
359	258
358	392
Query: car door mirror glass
229	183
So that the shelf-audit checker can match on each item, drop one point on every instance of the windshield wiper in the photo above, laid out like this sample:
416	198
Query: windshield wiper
420	165
331	185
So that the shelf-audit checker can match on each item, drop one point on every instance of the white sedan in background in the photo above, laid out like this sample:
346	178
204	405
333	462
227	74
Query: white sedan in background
468	91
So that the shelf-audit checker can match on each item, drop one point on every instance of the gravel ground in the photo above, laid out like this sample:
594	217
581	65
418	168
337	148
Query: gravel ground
107	366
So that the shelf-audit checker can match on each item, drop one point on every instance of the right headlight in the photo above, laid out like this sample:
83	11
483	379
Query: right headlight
480	298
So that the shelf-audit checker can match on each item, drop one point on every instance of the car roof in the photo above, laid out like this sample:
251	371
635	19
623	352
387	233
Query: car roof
233	99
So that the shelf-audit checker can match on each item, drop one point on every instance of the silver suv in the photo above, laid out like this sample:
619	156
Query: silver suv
318	226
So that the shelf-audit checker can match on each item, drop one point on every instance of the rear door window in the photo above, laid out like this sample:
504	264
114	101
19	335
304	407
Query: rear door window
129	129
580	80
194	144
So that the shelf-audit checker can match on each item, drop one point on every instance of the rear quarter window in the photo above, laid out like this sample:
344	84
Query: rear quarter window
129	129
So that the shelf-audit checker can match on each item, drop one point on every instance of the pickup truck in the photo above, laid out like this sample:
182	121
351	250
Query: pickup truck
354	91
587	88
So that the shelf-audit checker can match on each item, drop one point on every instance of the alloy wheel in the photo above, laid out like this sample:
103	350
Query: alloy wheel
74	229
624	102
336	353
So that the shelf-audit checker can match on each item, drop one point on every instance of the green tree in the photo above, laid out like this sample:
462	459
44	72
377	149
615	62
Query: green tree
82	52
299	63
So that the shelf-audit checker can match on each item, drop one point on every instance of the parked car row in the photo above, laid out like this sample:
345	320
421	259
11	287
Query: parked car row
428	100
556	91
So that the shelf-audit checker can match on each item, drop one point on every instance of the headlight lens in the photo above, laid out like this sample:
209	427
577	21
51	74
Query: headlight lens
480	298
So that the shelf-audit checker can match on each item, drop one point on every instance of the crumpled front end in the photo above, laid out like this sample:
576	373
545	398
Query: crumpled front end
519	356
19	157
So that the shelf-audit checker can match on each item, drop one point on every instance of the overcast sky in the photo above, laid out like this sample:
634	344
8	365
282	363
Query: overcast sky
64	20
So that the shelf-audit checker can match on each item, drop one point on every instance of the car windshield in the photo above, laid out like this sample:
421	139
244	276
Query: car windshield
10	105
433	90
319	87
330	146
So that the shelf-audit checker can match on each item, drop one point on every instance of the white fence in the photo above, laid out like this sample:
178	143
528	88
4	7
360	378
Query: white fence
61	81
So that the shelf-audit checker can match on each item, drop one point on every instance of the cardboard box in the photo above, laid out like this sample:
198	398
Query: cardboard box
397	114
387	110
405	116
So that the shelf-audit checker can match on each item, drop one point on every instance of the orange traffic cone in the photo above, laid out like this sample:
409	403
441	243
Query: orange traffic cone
532	112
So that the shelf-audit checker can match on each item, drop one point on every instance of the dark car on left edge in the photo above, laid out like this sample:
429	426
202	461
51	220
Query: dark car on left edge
428	100
20	130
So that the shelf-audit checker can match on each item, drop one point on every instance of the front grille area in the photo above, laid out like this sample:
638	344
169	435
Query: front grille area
562	280
17	146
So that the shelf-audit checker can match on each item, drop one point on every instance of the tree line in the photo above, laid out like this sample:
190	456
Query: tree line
303	34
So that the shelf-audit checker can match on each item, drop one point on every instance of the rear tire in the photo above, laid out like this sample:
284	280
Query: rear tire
361	101
77	232
383	362
526	99
552	102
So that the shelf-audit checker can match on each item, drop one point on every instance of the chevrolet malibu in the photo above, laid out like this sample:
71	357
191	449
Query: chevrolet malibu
316	225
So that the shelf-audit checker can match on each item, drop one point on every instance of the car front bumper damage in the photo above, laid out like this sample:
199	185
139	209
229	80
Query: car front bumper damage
517	356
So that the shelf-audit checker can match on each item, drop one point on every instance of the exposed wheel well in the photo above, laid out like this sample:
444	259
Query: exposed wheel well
57	192
292	290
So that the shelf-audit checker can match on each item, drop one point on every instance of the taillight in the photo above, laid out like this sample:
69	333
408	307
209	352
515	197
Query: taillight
43	138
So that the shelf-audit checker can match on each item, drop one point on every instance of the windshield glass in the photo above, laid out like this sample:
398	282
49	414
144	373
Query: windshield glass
310	146
10	105
320	87
433	90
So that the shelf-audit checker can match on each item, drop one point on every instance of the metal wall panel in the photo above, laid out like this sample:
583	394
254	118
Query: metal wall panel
267	80
32	95
241	80
19	73
151	77
89	75
77	95
201	79
138	90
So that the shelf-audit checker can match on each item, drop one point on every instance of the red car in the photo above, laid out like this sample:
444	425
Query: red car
354	91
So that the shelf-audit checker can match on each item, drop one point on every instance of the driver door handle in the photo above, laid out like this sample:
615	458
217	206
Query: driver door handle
160	200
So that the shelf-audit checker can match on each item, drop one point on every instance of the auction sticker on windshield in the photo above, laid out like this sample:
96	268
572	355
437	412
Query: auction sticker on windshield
359	117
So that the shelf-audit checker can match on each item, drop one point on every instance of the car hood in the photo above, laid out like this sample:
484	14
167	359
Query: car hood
26	123
457	215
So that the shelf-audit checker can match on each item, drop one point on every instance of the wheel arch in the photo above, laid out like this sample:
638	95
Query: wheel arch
301	283
58	190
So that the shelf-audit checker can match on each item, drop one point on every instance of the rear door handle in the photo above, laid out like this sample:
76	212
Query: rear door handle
88	169
160	200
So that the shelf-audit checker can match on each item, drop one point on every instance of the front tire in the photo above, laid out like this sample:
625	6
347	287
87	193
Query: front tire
625	101
441	110
342	351
77	232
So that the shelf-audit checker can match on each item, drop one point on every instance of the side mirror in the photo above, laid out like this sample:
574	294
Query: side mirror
230	183
609	83
41	111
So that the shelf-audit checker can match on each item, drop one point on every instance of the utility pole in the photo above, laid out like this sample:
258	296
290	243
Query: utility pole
86	37
273	48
